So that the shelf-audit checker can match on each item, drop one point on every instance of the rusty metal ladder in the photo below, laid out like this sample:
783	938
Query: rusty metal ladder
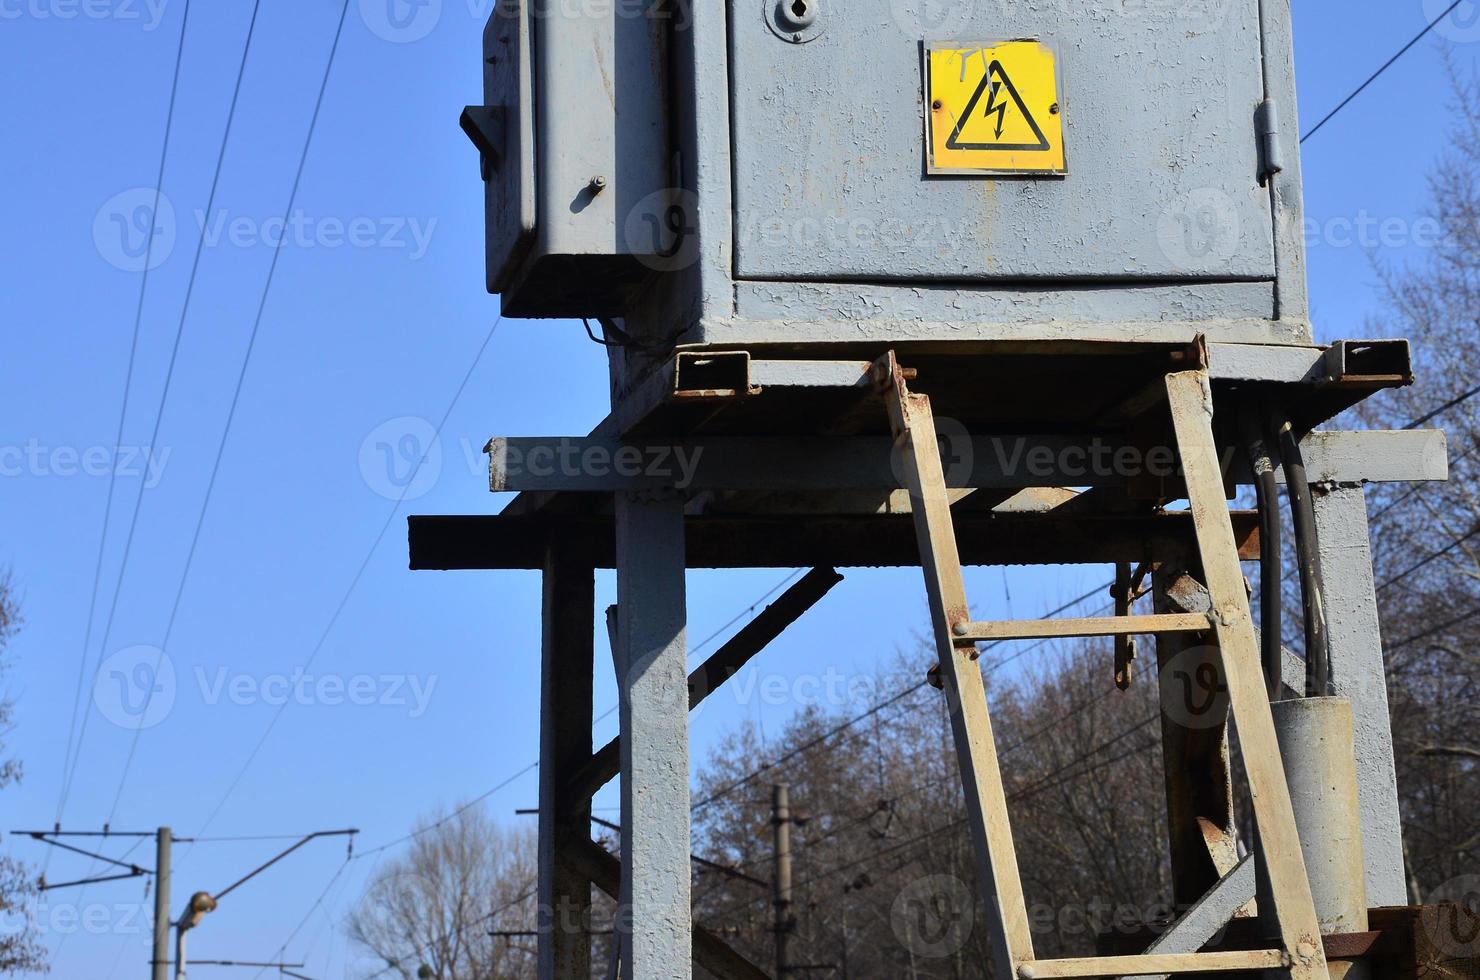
1188	394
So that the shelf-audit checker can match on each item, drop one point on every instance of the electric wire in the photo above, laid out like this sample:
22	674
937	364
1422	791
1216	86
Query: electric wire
1386	65
364	564
128	376
221	446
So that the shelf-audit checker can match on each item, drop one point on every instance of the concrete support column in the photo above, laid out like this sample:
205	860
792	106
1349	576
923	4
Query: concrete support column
1357	674
652	677
1315	736
566	663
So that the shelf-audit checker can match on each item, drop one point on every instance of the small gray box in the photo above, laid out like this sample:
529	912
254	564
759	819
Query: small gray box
773	186
574	142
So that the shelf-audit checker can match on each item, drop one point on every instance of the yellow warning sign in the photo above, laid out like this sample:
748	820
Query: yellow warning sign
993	108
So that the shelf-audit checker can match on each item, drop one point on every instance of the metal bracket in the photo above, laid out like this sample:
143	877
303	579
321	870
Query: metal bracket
486	126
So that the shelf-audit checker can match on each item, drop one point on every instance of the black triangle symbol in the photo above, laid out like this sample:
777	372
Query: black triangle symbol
954	142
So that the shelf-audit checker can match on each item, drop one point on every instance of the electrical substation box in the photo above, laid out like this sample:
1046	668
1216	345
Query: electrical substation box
805	172
572	138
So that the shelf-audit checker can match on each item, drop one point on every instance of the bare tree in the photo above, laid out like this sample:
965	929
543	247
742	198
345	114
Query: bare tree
885	880
1426	538
432	912
20	951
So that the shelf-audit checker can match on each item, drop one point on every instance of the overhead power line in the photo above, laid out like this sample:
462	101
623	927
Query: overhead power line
888	701
364	564
241	71
1385	66
128	378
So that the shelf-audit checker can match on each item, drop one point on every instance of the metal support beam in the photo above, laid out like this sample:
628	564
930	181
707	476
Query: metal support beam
1207	917
161	962
833	463
971	723
1357	675
805	540
1109	966
602	766
566	665
1274	815
653	683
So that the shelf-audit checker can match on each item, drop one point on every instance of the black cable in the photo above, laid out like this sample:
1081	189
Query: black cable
1308	562
365	563
891	700
128	377
1459	399
1266	488
179	331
1386	65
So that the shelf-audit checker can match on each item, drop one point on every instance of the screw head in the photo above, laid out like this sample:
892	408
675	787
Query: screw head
598	183
959	629
935	105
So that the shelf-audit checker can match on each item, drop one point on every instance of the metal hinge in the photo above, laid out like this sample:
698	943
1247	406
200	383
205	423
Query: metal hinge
1267	130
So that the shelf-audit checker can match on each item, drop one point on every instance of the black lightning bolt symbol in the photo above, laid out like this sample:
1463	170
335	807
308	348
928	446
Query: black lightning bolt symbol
994	106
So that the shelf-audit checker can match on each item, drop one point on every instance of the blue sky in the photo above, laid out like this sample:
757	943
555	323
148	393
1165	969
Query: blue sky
424	692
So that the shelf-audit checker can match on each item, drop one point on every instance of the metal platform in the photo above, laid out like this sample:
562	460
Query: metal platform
757	459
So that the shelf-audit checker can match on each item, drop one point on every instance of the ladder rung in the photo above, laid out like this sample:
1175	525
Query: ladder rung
1151	963
1034	629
